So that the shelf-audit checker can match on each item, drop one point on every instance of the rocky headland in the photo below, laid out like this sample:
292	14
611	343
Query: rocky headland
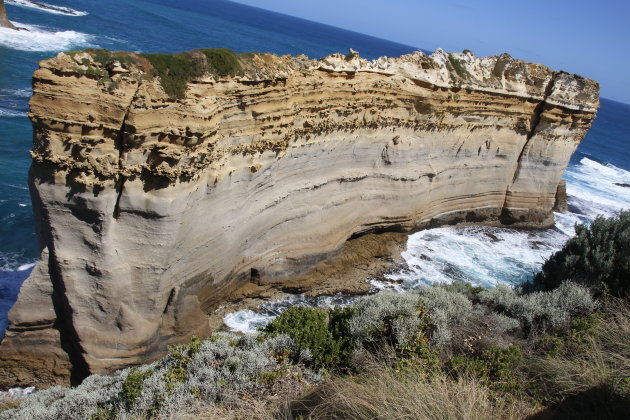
4	21
165	186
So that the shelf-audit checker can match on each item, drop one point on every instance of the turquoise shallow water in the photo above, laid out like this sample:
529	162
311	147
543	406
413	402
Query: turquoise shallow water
172	26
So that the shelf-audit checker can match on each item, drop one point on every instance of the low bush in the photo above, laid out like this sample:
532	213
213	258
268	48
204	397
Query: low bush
598	257
447	309
496	368
593	353
310	330
449	351
388	318
175	71
132	386
222	61
541	311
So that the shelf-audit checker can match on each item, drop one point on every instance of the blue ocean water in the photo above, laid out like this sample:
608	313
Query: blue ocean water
602	160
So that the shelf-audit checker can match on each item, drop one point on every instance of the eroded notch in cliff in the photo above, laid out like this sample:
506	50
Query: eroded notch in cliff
538	111
506	216
534	123
120	182
120	146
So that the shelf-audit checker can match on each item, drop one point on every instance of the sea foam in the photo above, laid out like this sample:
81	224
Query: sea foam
36	38
48	8
11	113
481	255
248	321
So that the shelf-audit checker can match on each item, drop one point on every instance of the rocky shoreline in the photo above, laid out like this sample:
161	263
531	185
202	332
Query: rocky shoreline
4	21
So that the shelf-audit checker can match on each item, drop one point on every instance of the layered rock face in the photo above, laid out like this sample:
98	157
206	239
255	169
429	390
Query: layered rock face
151	210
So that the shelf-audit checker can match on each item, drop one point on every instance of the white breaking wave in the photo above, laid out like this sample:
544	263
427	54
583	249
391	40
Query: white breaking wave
248	321
35	38
17	392
21	93
25	267
11	113
490	256
484	256
48	8
597	189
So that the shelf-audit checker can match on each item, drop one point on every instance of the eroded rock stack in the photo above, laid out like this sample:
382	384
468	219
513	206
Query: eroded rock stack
4	21
156	198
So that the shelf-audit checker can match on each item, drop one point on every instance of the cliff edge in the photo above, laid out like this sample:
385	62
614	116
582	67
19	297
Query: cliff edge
161	184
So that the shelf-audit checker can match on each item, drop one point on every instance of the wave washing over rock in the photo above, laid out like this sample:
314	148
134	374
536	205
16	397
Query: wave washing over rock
37	38
25	37
48	8
481	255
154	208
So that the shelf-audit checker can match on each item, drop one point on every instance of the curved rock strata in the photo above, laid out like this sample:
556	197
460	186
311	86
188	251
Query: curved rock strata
152	209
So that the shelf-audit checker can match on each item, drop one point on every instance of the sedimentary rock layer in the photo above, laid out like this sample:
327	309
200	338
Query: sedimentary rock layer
151	208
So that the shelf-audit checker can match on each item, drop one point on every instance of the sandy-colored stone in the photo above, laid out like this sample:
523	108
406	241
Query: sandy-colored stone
152	212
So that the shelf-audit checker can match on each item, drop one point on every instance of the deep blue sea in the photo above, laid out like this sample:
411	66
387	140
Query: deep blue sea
444	254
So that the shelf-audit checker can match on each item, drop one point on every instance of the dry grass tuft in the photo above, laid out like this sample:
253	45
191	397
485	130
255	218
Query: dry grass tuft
8	403
590	378
384	393
600	359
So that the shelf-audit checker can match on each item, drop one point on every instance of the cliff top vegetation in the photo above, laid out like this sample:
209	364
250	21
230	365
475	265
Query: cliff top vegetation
174	70
453	351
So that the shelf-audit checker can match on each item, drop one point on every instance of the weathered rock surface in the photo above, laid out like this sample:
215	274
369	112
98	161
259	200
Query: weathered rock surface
4	21
151	211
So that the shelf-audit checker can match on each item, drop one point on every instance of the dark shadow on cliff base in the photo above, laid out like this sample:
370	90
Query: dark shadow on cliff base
69	338
597	403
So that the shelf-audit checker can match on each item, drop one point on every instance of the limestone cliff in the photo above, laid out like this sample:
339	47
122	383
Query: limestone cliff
4	21
161	184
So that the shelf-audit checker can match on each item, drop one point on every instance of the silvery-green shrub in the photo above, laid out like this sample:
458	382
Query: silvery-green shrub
555	308
386	315
446	309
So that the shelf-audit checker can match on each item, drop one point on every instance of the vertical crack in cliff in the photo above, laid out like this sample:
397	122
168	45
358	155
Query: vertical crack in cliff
120	145
533	126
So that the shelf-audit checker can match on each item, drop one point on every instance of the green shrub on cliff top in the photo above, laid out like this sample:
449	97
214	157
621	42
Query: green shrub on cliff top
132	386
597	257
309	330
176	70
388	318
223	61
540	311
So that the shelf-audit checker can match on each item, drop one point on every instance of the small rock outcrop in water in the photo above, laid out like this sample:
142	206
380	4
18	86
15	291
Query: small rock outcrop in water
162	185
4	21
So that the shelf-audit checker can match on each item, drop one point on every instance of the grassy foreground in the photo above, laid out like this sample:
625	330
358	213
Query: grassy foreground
556	348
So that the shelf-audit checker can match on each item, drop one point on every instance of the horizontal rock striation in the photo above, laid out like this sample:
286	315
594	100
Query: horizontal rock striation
158	195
